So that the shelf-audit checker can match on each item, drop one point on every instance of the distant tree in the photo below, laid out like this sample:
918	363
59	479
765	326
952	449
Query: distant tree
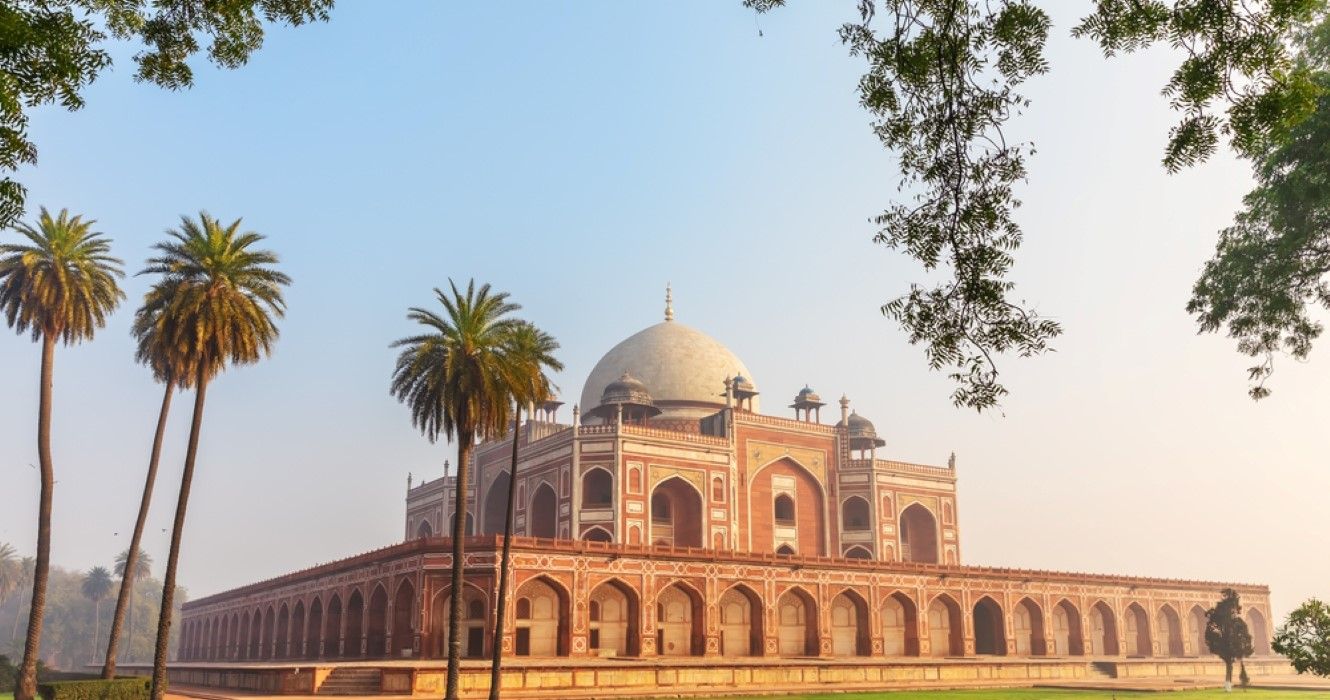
1226	633
941	86
96	586
1305	638
140	570
170	365
9	571
456	379
225	298
26	567
58	286
532	351
54	49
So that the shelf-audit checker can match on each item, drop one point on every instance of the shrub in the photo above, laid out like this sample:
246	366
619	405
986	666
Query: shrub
8	674
118	689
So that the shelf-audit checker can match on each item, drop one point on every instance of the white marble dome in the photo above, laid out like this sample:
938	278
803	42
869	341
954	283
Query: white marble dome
682	367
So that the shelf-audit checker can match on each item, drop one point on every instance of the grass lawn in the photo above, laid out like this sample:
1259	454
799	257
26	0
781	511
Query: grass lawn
1033	693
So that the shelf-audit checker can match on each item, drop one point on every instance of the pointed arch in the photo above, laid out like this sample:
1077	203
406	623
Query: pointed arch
1136	628
376	623
314	630
332	629
946	635
616	619
805	528
1103	630
353	644
246	650
1168	625
849	625
990	635
858	552
1027	626
296	650
597	533
900	625
855	514
1068	637
543	512
543	611
677	514
424	530
597	488
1196	631
403	629
475	624
1260	632
269	628
495	513
679	615
741	621
283	638
797	623
233	642
918	534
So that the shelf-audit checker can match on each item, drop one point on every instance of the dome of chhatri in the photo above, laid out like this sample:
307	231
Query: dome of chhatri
683	368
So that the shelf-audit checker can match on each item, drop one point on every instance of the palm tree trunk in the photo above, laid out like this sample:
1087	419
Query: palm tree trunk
177	531
96	627
465	444
501	594
125	599
26	688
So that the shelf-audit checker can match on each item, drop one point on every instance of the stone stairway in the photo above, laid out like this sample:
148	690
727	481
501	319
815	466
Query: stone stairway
1102	669
352	681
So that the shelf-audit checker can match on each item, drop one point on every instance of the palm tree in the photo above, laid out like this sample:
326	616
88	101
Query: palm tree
138	571
58	286
455	378
224	299
26	567
533	350
9	572
97	585
172	368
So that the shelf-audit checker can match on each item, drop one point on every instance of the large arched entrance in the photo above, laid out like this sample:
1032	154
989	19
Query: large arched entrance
543	515
1196	632
945	636
614	613
990	637
918	532
473	623
1169	626
1027	625
496	505
679	622
376	638
1103	630
1260	634
900	626
676	514
403	630
1137	631
788	509
424	530
353	644
740	622
332	629
542	614
1067	637
314	635
849	625
796	616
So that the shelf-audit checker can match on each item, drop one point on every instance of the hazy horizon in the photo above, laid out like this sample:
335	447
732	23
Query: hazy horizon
581	158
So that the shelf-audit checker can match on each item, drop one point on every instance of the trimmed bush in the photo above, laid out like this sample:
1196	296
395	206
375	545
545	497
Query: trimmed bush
118	689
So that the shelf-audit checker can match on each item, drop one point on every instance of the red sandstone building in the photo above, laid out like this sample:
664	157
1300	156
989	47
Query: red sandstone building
672	517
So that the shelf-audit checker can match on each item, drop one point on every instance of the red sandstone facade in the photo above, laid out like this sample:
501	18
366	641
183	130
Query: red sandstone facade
689	524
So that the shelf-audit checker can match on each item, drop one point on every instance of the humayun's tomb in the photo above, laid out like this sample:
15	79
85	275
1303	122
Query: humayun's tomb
675	537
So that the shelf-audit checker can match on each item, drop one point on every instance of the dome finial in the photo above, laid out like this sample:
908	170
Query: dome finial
669	303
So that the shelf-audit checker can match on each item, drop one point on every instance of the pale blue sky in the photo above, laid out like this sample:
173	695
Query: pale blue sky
582	156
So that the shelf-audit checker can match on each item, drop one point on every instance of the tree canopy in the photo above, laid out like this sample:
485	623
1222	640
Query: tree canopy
1305	638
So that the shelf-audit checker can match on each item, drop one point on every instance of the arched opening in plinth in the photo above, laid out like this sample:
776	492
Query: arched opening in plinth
900	626
918	532
496	505
990	637
1137	631
424	530
615	620
740	611
297	648
1169	626
269	629
1260	634
858	552
376	627
216	653
543	515
679	621
597	488
332	630
474	622
1067	636
233	638
1196	631
676	514
849	625
1103	631
353	644
314	635
946	636
542	611
785	550
1027	625
597	534
797	629
283	633
245	651
403	630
